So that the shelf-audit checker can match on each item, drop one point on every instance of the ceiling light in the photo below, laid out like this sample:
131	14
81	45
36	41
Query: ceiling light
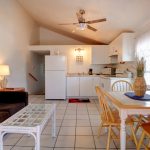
82	26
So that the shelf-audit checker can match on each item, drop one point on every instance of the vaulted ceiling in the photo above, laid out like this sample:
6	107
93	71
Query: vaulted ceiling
122	15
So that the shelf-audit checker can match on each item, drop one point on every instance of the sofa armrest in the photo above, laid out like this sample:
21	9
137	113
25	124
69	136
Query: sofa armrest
13	97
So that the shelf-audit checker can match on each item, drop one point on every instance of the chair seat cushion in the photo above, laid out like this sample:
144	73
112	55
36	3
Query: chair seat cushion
146	127
11	108
3	115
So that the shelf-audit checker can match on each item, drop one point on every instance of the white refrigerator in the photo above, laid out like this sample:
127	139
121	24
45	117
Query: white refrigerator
55	77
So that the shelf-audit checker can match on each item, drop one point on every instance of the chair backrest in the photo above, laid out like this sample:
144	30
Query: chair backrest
106	112
122	86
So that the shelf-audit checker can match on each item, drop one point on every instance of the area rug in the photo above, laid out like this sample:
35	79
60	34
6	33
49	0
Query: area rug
76	100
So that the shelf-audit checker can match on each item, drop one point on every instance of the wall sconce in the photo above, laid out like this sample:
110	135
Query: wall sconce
4	71
79	54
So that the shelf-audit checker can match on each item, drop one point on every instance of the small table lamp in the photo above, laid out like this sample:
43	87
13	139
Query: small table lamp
4	71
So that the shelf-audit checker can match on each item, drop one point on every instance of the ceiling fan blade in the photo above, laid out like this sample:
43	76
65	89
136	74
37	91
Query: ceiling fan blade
91	28
96	21
68	23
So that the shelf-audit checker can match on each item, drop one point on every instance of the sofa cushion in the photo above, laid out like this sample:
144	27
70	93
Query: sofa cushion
3	115
11	108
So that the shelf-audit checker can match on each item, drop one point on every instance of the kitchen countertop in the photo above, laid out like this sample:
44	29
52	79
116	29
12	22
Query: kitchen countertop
94	75
81	75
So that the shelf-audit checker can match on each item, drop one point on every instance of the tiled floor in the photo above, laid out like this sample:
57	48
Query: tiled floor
77	126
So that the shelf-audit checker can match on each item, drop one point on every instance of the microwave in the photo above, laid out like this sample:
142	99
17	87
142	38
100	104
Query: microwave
109	71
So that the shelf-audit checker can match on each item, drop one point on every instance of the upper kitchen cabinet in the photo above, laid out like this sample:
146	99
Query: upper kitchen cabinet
100	54
122	48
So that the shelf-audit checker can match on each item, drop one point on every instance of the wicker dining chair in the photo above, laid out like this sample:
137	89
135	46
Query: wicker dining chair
122	86
145	132
110	119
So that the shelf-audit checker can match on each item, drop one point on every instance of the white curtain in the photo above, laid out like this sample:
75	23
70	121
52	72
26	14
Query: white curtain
143	50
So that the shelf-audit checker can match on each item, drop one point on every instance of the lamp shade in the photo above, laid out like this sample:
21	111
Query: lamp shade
4	70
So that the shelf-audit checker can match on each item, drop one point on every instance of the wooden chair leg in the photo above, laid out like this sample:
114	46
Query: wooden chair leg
138	124
108	139
141	140
99	130
133	133
149	144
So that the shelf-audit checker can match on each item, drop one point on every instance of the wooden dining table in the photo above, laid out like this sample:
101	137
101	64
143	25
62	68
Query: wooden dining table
127	106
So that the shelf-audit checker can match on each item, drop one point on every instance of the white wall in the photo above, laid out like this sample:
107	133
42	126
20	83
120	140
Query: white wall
17	31
48	37
69	51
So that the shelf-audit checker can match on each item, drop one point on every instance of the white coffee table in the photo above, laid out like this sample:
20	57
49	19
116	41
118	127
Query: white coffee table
30	120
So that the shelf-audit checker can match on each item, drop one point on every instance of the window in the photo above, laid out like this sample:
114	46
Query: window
143	50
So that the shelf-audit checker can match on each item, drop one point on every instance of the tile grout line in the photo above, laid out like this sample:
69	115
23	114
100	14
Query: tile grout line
60	126
91	127
75	128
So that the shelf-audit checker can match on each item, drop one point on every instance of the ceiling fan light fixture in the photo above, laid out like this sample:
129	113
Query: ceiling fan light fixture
82	26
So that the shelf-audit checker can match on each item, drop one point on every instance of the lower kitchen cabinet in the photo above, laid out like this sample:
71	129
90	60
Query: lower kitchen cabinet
96	82
82	86
72	86
86	85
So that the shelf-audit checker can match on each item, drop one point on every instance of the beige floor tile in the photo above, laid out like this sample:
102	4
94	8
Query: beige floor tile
47	141
80	112
95	131
48	130
83	123
26	141
84	142
70	117
58	122
96	117
45	148
69	123
22	148
7	147
67	131
95	122
11	139
59	116
70	112
83	131
63	148
83	117
60	112
84	149
65	141
102	141
95	112
71	108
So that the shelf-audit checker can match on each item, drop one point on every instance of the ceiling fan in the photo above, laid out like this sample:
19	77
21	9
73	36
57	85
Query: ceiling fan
82	24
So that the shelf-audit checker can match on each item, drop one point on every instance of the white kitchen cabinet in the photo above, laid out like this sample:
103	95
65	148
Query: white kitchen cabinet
86	86
96	82
100	54
105	83
72	86
83	86
122	48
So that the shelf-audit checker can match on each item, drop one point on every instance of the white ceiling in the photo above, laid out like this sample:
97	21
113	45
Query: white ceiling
122	15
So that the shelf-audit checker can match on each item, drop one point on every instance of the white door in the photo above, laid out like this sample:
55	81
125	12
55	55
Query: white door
72	86
55	85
